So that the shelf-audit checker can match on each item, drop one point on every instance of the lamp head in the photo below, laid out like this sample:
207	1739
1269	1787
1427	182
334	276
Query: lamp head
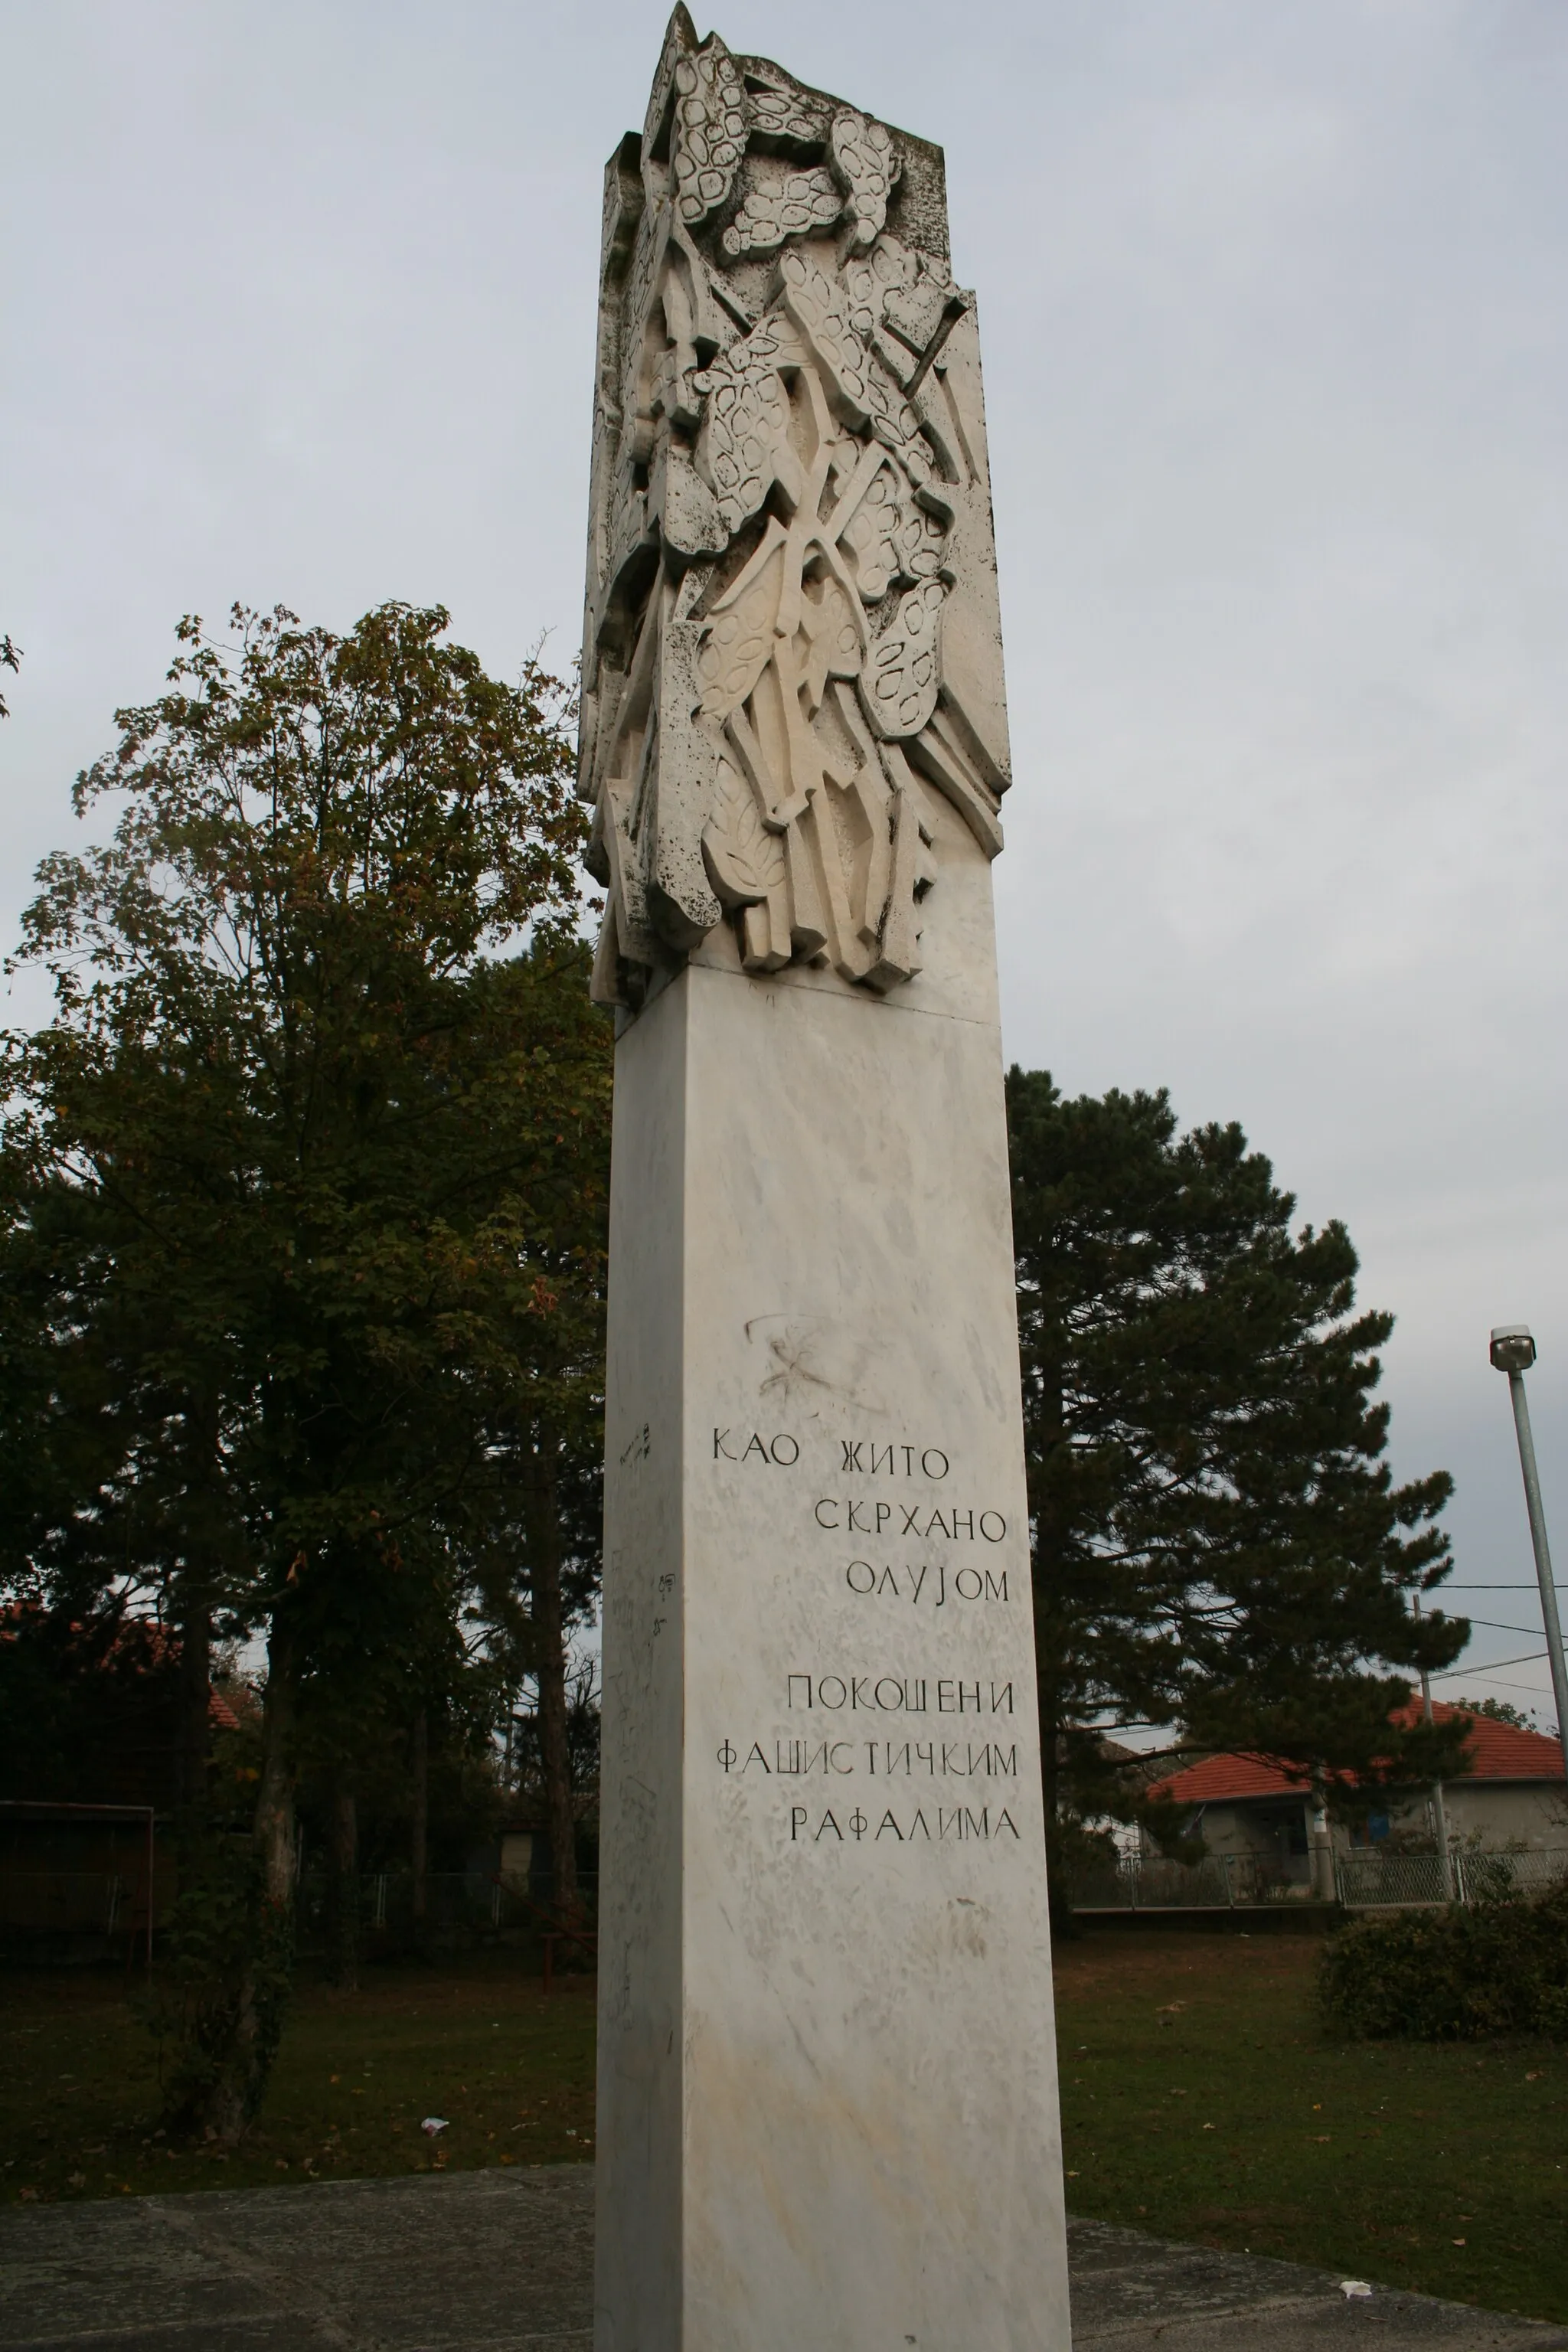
1513	1350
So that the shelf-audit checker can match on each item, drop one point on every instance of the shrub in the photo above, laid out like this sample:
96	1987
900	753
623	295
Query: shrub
1451	1975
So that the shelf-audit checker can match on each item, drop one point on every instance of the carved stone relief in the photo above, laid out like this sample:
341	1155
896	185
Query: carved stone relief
791	633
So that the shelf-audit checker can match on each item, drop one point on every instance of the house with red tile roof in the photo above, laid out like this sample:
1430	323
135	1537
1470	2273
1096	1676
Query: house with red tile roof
1512	1794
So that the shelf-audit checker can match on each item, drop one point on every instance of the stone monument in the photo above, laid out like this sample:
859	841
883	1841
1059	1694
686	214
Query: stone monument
828	2107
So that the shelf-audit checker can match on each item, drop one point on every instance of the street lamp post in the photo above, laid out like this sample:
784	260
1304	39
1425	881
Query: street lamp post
1513	1352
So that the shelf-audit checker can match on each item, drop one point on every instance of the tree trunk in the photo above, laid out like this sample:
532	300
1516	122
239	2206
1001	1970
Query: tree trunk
1045	1435
274	1830
549	1634
419	1823
249	2010
342	1910
1063	1923
193	1736
196	1589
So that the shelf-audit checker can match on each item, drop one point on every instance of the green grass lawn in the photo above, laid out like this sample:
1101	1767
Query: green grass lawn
1201	2099
473	2041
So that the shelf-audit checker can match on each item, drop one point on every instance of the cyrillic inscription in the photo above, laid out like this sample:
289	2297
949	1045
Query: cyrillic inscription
783	1450
840	1751
857	1515
940	1585
952	1760
873	1461
893	1693
933	1823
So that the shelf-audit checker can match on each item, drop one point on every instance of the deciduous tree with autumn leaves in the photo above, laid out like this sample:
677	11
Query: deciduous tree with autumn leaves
305	1202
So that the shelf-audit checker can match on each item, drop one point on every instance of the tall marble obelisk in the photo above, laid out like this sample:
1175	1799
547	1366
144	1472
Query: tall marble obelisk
828	2105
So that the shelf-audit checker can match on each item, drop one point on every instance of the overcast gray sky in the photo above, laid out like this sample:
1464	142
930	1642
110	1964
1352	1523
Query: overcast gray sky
299	306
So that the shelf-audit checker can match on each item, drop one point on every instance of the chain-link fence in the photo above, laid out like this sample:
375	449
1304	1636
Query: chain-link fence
1370	1880
1365	1879
51	1915
461	1908
53	1918
48	1915
1151	1882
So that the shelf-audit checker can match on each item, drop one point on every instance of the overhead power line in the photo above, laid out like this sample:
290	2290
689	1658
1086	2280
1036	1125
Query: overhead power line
1493	1626
1475	1667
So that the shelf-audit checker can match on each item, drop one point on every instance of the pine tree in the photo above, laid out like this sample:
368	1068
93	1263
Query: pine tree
1217	1542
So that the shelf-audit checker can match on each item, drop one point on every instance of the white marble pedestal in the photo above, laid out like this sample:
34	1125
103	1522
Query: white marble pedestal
827	2107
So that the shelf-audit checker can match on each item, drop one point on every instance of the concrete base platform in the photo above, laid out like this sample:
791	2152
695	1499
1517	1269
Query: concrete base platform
502	2261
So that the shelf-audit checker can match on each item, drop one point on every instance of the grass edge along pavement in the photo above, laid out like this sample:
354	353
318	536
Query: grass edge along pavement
1202	2100
475	2045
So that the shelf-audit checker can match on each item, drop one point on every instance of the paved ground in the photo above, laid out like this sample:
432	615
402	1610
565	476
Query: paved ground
501	2262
